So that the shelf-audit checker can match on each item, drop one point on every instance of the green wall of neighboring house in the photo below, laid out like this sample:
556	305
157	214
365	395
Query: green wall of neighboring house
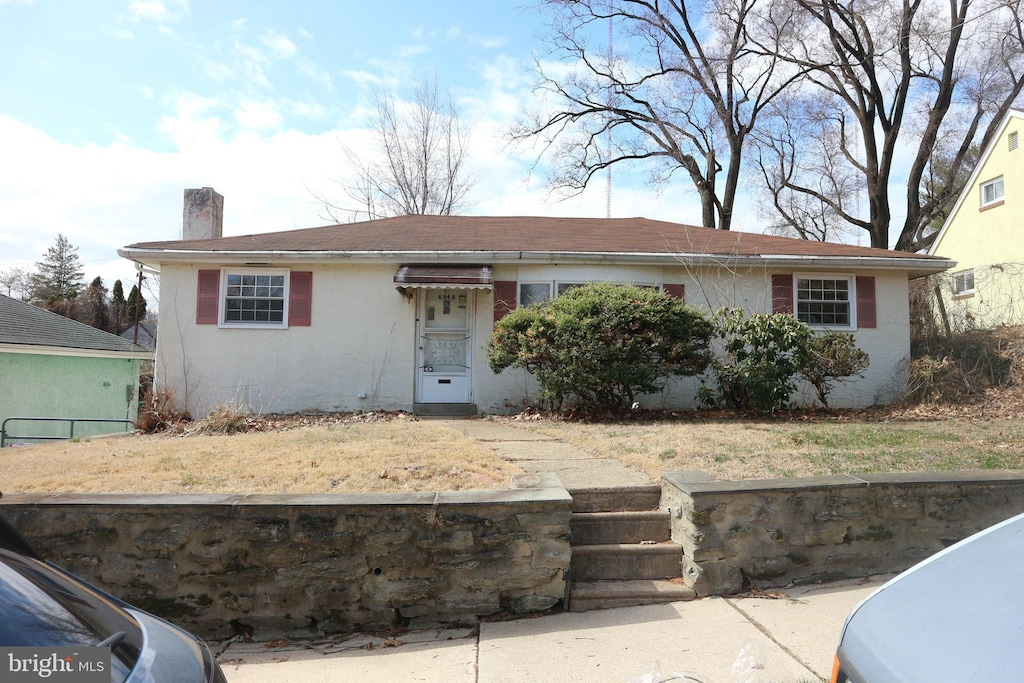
72	386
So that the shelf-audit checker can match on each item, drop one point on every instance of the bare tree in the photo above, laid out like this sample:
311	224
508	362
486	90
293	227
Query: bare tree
808	188
898	76
15	283
419	161
681	91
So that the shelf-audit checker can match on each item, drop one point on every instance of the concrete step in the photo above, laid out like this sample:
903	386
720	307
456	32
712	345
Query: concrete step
445	409
588	595
616	499
632	526
626	561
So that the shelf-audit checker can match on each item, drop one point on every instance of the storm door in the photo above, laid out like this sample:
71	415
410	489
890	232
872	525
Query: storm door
444	345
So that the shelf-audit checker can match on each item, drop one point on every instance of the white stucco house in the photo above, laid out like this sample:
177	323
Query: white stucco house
395	314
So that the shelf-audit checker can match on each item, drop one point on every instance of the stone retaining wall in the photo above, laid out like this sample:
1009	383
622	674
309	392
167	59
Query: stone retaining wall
285	565
802	530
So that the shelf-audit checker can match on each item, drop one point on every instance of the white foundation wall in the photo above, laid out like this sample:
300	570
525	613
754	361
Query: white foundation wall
361	342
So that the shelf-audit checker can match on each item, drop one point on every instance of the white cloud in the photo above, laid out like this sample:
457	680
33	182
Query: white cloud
191	123
314	72
279	44
159	11
307	109
218	72
258	116
407	51
489	42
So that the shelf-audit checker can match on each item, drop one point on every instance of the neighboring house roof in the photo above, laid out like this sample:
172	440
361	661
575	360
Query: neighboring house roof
28	327
146	337
972	181
523	238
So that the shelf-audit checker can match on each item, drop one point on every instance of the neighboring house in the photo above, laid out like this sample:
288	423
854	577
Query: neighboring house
983	235
55	367
143	334
397	313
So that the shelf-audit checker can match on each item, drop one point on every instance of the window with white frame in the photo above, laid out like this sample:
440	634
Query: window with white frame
536	292
825	301
963	283
254	298
533	292
992	191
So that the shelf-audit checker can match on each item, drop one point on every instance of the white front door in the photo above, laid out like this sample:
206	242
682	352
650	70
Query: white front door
444	346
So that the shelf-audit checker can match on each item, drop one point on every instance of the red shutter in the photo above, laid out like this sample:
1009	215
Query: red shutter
208	297
300	299
866	315
782	294
504	298
678	291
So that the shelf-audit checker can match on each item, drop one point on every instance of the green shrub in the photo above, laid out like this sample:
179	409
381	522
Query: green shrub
766	354
832	357
762	356
603	345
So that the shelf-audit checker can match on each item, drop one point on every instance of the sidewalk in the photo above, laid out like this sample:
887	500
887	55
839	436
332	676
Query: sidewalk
786	636
536	453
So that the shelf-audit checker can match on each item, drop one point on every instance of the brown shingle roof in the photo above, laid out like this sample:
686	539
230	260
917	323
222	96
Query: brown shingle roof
522	233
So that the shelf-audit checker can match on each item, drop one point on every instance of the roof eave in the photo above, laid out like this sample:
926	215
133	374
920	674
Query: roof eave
50	350
916	266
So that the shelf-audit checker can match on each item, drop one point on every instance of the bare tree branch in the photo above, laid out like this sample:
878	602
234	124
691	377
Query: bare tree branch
418	166
907	75
683	90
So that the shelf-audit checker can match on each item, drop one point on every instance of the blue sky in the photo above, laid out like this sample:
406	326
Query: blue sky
109	109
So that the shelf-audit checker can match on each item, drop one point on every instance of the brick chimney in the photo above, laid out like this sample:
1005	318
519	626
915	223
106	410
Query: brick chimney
203	217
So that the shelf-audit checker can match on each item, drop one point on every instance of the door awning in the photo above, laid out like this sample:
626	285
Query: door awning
450	277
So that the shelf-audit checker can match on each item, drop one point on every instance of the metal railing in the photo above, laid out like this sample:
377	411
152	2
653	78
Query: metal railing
6	437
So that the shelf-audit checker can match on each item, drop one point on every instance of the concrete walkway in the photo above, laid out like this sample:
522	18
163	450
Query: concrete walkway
783	637
536	454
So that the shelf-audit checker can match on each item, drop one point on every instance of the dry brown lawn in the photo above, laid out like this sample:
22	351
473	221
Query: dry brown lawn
397	453
393	455
730	448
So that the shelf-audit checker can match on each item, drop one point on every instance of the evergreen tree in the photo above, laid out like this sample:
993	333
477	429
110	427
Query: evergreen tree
92	306
58	278
135	299
117	306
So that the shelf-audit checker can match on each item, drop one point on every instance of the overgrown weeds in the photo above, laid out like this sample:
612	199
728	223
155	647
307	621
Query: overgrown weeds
965	366
157	413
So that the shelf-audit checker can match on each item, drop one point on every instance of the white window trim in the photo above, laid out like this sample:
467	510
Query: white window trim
851	290
553	286
964	292
519	290
998	199
221	308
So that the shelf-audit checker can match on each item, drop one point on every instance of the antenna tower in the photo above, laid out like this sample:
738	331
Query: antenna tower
608	169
